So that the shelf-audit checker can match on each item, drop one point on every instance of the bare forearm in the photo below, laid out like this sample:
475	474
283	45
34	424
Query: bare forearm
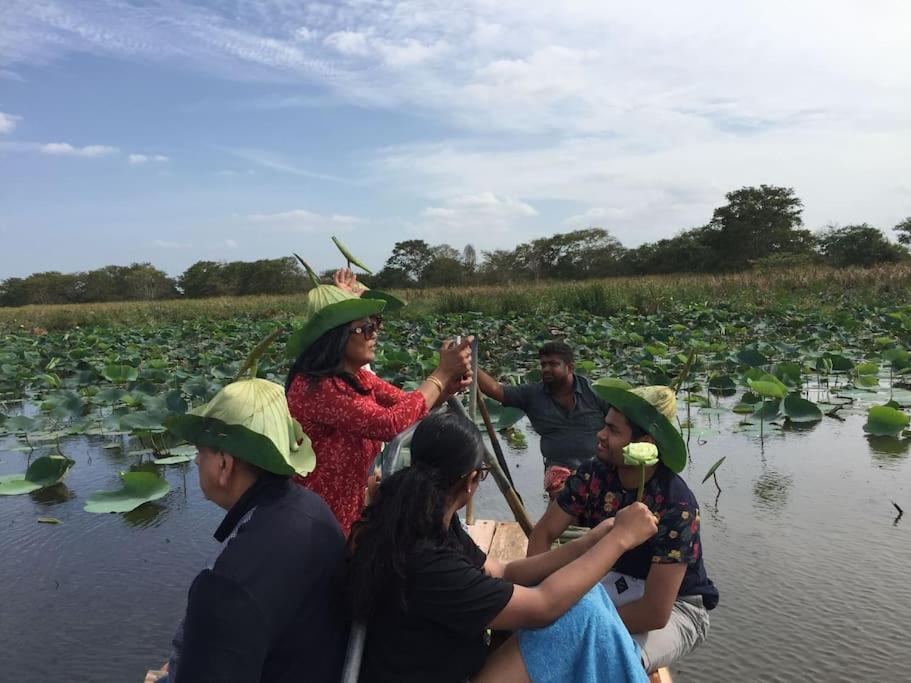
489	386
533	569
566	586
539	542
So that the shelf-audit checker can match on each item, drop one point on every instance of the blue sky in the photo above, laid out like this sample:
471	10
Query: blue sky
175	131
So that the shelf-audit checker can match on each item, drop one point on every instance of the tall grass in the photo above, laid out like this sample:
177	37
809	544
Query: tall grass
770	289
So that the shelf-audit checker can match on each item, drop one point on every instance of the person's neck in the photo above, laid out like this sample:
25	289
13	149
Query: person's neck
236	491
450	511
631	475
351	367
565	388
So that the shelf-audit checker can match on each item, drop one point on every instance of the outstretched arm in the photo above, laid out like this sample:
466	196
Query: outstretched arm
530	571
548	529
542	605
489	386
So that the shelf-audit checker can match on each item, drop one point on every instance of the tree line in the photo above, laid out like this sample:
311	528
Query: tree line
757	227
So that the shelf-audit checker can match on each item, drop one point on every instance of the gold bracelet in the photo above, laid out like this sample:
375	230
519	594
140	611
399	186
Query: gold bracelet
438	383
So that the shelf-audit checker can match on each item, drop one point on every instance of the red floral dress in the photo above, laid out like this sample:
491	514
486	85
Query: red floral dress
347	430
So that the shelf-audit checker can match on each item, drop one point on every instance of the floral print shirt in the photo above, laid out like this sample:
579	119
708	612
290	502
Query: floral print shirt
347	430
594	493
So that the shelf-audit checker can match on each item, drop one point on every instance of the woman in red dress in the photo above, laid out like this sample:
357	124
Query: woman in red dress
346	410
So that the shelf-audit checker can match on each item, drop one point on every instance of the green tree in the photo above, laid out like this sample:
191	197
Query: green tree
144	282
203	279
442	271
858	245
904	232
756	222
410	257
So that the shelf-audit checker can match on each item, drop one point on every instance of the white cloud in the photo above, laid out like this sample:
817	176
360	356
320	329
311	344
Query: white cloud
168	244
647	115
8	122
305	221
484	216
66	149
137	159
231	244
350	43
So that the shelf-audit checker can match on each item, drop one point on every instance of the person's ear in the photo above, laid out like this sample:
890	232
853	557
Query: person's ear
228	464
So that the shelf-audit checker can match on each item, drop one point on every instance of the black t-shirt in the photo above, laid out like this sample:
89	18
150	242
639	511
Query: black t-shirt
439	636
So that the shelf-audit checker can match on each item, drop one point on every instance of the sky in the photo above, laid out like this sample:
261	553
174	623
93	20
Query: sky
172	131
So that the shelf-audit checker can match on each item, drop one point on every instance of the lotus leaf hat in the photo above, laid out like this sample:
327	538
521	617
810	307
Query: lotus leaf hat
249	419
328	318
654	409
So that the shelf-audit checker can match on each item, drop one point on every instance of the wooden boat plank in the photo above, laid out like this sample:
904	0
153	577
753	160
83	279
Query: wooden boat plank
482	532
509	542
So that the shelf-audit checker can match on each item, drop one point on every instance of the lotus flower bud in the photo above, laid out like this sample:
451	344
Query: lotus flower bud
640	454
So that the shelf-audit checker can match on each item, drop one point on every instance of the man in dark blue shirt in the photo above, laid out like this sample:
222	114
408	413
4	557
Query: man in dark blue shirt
660	588
562	408
268	608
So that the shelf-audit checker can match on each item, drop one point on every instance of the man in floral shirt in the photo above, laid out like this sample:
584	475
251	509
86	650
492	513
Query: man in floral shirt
660	588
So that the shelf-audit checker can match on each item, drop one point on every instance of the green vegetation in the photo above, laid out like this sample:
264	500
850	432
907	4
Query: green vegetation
759	228
765	290
781	350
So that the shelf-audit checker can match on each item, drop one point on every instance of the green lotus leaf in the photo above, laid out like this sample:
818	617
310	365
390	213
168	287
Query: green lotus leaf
722	383
752	357
138	488
120	374
612	383
768	388
885	421
798	409
173	459
867	368
43	472
768	410
109	396
713	468
501	417
349	256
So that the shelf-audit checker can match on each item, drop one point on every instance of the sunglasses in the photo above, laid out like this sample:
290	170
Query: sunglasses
368	330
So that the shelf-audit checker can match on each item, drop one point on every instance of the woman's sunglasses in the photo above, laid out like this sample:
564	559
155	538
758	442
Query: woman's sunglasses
369	329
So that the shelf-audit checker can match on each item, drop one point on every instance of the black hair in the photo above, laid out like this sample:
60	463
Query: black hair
408	510
324	359
636	432
558	349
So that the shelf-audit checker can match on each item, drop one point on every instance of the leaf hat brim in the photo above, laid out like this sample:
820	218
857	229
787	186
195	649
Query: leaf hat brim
671	447
329	318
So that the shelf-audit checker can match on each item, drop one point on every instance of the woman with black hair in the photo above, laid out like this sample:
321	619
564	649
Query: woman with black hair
348	411
428	594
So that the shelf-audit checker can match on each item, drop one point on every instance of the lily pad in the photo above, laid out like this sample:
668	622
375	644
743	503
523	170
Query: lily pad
138	488
119	373
768	388
713	469
612	383
885	421
798	409
501	417
43	472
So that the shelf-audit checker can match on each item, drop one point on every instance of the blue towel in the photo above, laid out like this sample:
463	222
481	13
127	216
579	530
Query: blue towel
588	644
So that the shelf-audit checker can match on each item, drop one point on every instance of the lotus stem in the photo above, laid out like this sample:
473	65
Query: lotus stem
641	494
715	479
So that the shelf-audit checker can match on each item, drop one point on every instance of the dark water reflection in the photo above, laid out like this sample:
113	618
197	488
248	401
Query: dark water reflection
802	542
